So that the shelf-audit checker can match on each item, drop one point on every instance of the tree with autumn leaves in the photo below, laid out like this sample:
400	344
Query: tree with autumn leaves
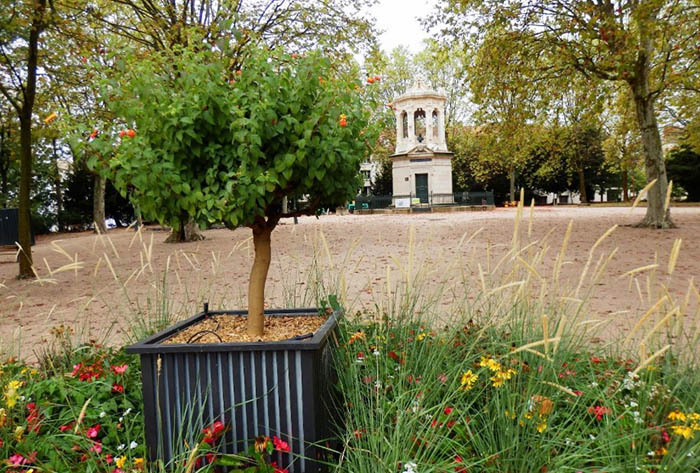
649	46
216	144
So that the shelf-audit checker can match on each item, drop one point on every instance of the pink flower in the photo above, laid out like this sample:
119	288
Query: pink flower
109	458
119	369
117	470
280	444
17	460
76	368
93	431
96	447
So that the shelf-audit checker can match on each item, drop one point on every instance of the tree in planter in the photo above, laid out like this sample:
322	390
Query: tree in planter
217	145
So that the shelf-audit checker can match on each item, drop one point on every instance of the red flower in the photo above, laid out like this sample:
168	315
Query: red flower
459	468
370	80
130	133
377	78
599	411
117	388
122	133
66	427
280	445
76	368
358	433
94	133
395	357
578	393
213	432
448	411
93	431
595	359
109	458
277	469
33	418
451	423
119	369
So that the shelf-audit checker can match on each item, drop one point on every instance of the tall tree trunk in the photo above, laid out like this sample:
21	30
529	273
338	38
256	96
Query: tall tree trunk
625	184
582	186
25	183
657	216
98	203
4	167
58	188
511	176
258	275
25	138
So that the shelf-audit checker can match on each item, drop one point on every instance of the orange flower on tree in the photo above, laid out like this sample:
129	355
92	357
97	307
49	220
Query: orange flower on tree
343	120
50	118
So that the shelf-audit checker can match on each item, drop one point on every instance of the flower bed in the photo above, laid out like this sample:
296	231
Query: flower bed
468	399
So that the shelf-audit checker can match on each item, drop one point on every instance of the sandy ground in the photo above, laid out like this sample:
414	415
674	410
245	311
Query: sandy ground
79	272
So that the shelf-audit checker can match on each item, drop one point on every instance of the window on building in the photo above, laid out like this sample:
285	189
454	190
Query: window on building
419	124
435	123
404	124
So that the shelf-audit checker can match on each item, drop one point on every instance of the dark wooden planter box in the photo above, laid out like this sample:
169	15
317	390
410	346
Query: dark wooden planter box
265	388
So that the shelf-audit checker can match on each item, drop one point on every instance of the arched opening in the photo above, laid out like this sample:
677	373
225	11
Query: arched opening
404	124
419	124
435	124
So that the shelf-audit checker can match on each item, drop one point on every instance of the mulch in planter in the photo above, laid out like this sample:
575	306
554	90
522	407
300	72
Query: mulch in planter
232	329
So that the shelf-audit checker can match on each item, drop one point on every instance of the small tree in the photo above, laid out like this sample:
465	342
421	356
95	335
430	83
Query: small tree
217	145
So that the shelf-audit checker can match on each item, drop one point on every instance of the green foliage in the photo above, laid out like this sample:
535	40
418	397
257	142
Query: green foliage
80	418
383	181
224	146
684	169
462	400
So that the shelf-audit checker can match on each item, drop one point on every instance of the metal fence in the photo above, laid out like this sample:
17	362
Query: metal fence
474	198
372	202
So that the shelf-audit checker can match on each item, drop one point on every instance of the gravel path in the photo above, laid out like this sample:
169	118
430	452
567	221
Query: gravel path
86	296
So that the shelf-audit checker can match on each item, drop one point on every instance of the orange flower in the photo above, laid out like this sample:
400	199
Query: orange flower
50	118
343	120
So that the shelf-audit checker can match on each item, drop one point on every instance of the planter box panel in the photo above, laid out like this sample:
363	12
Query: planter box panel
274	388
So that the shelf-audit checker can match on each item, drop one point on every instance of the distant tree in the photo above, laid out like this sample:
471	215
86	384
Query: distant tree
383	180
650	47
684	169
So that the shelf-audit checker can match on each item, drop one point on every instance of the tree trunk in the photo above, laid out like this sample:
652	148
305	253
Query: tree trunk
582	186
25	120
186	232
98	203
512	185
258	275
58	189
25	183
625	184
657	216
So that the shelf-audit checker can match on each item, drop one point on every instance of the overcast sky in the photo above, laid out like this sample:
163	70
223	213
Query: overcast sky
399	21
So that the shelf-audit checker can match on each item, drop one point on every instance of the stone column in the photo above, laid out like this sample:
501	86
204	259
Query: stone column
441	128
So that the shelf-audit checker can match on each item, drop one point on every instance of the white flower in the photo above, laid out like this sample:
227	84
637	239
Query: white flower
375	352
121	446
650	453
127	412
593	384
568	442
121	419
378	384
133	445
592	437
409	468
633	404
102	414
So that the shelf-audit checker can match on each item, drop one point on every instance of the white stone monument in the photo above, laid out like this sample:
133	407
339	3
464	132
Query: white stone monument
421	164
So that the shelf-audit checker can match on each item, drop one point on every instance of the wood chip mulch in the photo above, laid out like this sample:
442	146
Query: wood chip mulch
232	328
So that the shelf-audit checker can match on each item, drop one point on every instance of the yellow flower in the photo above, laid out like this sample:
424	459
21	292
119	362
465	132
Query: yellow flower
356	336
694	416
18	433
501	377
662	451
11	395
490	363
683	431
677	415
3	417
421	336
139	463
541	426
120	462
468	380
